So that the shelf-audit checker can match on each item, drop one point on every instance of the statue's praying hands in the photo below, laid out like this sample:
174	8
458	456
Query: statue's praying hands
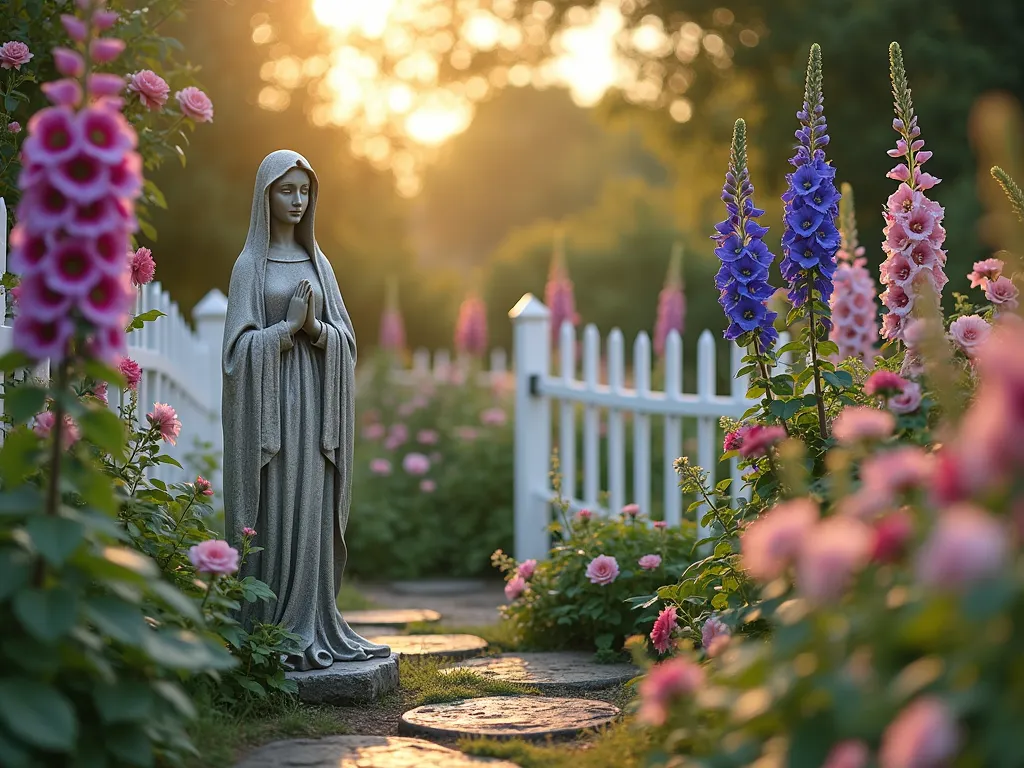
300	307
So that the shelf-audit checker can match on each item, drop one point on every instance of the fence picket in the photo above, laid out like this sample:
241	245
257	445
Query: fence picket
706	425
567	415
673	428
591	418
616	429
642	424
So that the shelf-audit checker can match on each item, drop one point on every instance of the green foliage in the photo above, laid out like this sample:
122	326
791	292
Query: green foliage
619	746
1012	190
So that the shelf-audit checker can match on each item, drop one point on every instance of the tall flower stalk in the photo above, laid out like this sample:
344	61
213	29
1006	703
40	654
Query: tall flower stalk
558	293
811	238
392	327
913	268
671	302
743	277
854	306
471	327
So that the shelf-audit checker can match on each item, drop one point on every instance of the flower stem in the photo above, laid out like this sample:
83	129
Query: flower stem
818	394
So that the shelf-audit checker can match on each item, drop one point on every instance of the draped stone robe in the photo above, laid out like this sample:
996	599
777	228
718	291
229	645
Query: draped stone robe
288	417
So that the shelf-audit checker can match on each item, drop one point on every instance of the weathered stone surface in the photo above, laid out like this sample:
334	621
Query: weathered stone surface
437	586
348	682
552	670
390	618
450	646
526	717
363	752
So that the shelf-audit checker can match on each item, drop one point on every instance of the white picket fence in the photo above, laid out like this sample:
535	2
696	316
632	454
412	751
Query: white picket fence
442	367
537	388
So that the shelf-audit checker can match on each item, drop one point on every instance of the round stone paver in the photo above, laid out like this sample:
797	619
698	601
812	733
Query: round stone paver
449	646
551	670
390	618
348	682
364	752
506	717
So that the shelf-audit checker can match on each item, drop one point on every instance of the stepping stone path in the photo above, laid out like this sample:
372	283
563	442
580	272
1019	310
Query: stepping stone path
437	587
348	682
449	646
506	717
364	752
389	618
556	670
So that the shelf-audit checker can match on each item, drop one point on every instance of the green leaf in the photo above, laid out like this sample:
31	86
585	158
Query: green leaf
125	701
105	429
793	346
184	650
177	600
23	402
119	620
21	501
147	229
15	568
153	191
55	538
38	714
720	601
165	459
146	317
14	360
175	695
130	744
838	379
47	614
10	103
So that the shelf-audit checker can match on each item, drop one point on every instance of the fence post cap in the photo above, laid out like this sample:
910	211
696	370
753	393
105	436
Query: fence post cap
213	304
529	308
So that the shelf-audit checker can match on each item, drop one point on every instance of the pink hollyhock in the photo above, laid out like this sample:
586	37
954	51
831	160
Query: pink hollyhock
63	93
649	562
831	554
664	625
758	439
584	515
105	85
143	267
69	63
772	542
862	422
714	636
526	569
214	556
907	401
392	330
374	431
494	417
380	467
967	545
884	383
471	327
416	464
203	486
848	754
515	587
195	104
665	683
428	486
558	293
131	371
853	302
603	570
660	524
631	510
14	127
427	437
13	54
969	333
106	49
1003	293
77	29
104	20
671	303
247	531
923	735
151	89
891	535
989	269
44	303
165	420
42	425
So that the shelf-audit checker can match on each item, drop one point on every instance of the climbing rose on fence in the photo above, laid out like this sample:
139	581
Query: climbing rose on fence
471	327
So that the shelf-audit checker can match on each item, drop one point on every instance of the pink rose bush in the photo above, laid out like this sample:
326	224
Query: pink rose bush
14	54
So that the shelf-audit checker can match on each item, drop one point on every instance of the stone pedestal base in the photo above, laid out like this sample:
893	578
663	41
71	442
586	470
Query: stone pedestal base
348	682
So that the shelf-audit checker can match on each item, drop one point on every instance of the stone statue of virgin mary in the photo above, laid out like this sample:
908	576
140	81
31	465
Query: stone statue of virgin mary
289	363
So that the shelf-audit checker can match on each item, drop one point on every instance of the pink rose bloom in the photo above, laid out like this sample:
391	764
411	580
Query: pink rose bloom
862	422
151	89
664	625
493	417
195	104
969	333
43	423
771	542
13	54
758	439
649	562
584	515
427	437
515	587
416	464
143	267
967	545
14	127
714	636
907	401
1002	292
380	467
924	735
892	533
631	510
851	753
526	569
163	418
665	683
203	486
214	556
603	570
660	524
989	269
428	486
250	532
131	371
831	554
896	471
374	431
884	383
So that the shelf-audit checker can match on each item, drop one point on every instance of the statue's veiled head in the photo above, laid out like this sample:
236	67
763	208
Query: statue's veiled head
289	197
285	193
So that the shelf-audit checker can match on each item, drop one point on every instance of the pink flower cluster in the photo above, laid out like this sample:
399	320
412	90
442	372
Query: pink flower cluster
913	234
80	174
671	305
999	289
664	626
559	296
854	311
471	327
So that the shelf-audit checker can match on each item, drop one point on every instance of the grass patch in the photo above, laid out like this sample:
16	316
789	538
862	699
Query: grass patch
619	746
221	736
350	598
500	636
423	683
